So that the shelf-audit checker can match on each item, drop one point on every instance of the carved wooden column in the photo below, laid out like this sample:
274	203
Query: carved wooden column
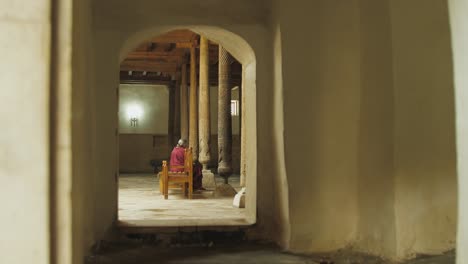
170	120
224	116
193	123
184	114
204	105
177	108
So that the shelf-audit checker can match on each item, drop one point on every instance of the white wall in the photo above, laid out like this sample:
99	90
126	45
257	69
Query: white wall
376	233
459	23
326	101
24	140
369	125
153	100
424	139
321	95
152	104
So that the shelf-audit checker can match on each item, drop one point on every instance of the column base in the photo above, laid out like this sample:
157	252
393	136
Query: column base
208	181
239	199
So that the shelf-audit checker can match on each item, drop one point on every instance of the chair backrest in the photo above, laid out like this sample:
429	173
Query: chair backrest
188	160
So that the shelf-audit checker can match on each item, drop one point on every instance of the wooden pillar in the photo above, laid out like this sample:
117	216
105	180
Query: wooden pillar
177	122
204	105
193	122
184	114
170	123
224	116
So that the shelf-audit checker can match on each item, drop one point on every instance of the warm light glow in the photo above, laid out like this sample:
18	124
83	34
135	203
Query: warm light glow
134	111
234	107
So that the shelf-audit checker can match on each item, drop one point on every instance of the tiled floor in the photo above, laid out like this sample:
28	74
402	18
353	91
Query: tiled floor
141	204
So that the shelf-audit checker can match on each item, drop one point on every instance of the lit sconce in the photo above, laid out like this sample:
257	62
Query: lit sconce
234	107
134	113
134	122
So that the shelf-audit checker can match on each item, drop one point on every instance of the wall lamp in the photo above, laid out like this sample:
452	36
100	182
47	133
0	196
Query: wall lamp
134	113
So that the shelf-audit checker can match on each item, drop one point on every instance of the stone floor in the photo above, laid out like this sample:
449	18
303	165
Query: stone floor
242	253
141	204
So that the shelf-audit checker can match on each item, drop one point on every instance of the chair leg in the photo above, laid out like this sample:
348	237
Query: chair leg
166	190
190	189
161	187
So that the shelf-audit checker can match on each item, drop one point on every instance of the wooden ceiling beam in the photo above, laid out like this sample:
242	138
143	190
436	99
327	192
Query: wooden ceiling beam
148	66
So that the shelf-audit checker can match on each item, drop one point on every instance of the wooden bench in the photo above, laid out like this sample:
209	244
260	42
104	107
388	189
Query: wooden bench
182	179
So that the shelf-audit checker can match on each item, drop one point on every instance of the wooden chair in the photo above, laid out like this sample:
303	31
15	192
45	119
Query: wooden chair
184	178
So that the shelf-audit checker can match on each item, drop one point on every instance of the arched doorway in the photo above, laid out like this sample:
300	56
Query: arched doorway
161	68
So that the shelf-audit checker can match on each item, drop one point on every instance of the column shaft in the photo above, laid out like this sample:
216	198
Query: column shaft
204	105
177	108
184	114
193	124
170	123
224	116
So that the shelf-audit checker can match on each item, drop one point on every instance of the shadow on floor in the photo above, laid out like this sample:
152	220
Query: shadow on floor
144	251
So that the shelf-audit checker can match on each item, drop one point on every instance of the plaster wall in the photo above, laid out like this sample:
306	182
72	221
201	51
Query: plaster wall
87	212
376	232
424	133
321	97
153	101
24	140
137	150
377	143
148	140
150	102
459	27
325	107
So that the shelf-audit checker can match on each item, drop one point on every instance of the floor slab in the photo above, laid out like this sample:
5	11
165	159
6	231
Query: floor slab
142	205
242	252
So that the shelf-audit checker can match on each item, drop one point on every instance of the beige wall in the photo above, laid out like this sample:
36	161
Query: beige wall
137	150
148	141
376	233
424	139
24	140
376	147
459	23
151	100
320	54
339	86
332	177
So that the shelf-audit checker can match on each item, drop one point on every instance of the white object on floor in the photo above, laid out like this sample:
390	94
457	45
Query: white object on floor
239	199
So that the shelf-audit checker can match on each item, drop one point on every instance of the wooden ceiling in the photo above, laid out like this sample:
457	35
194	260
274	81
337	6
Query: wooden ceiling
159	60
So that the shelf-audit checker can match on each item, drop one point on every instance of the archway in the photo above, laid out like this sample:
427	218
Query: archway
241	53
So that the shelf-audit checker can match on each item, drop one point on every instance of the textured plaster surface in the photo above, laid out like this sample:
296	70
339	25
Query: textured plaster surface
424	133
334	171
368	125
24	141
459	23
